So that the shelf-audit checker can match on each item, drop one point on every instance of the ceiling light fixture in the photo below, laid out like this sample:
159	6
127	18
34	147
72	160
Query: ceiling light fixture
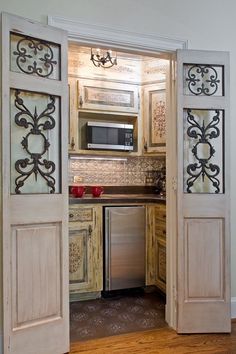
103	58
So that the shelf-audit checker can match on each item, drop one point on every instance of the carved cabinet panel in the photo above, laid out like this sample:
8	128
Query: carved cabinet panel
109	96
85	249
156	246
154	118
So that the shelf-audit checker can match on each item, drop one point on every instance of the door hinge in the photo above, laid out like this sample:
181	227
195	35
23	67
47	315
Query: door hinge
174	183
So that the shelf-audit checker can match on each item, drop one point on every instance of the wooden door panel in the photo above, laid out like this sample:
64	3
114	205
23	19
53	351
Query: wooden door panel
203	192
34	196
36	274
204	252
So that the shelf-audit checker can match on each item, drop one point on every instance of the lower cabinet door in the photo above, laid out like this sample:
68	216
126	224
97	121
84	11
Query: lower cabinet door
156	246
85	250
161	265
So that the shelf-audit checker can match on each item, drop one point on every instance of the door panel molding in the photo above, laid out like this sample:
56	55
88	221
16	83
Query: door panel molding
36	274
201	282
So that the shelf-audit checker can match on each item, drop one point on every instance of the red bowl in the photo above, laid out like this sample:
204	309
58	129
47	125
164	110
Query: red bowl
97	191
77	191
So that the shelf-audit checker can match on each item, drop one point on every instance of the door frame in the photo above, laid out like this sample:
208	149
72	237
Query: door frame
146	44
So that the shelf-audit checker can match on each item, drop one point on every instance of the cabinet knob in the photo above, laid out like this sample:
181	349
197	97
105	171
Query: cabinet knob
145	146
71	215
81	101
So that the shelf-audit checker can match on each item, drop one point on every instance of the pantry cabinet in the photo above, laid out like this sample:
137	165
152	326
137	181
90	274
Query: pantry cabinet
85	251
101	101
156	246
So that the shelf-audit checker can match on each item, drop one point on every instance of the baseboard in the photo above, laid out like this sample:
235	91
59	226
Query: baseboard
233	307
84	296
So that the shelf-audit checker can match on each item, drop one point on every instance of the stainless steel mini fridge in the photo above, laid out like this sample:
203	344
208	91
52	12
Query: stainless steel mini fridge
124	247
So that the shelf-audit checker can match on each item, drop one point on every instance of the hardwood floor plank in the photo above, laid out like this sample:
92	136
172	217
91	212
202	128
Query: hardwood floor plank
162	341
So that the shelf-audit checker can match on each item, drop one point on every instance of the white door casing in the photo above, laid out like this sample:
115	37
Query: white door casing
34	187
96	35
203	273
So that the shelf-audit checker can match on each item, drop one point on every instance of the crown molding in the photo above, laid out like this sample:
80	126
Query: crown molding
86	33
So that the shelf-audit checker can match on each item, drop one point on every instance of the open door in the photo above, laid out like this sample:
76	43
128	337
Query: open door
203	277
34	187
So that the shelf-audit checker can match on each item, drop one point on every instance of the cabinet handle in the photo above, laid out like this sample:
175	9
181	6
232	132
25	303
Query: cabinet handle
81	101
71	215
90	230
72	144
145	146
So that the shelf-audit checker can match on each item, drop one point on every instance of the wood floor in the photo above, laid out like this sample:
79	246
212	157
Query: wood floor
164	341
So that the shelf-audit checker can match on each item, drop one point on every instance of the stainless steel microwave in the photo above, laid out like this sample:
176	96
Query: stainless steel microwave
110	136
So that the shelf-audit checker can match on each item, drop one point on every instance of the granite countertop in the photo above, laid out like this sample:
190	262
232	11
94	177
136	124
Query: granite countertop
118	198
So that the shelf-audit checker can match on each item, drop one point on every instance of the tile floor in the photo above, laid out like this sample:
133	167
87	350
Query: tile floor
115	315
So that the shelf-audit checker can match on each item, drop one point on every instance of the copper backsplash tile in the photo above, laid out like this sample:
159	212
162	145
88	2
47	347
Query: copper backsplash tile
136	171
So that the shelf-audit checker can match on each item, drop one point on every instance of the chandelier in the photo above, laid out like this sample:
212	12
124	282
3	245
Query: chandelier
103	58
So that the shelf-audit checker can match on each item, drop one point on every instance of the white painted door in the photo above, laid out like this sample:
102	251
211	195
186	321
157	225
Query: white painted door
203	276
34	187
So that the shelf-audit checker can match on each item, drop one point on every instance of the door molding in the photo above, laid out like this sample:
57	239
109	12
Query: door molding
90	34
97	34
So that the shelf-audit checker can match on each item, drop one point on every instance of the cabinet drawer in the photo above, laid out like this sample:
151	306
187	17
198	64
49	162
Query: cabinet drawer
80	214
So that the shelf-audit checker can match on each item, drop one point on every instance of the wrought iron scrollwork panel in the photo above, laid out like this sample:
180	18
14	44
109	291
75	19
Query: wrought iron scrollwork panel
203	151
204	80
33	127
33	56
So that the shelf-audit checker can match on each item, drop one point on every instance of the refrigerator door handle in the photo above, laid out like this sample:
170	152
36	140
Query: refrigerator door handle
107	249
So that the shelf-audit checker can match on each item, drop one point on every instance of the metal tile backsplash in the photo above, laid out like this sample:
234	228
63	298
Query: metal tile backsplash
136	171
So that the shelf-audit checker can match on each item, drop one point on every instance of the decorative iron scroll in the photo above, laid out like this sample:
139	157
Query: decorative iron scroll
202	80
38	124
203	168
34	56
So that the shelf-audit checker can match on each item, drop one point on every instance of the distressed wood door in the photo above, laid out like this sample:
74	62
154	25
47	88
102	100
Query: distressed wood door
203	276
34	187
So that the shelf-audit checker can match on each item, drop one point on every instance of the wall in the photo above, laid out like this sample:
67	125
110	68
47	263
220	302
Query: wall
206	24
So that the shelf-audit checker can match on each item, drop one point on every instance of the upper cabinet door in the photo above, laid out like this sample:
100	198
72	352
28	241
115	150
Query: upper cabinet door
34	187
203	192
154	118
109	96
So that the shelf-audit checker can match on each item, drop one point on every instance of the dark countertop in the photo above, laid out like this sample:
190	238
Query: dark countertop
119	199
